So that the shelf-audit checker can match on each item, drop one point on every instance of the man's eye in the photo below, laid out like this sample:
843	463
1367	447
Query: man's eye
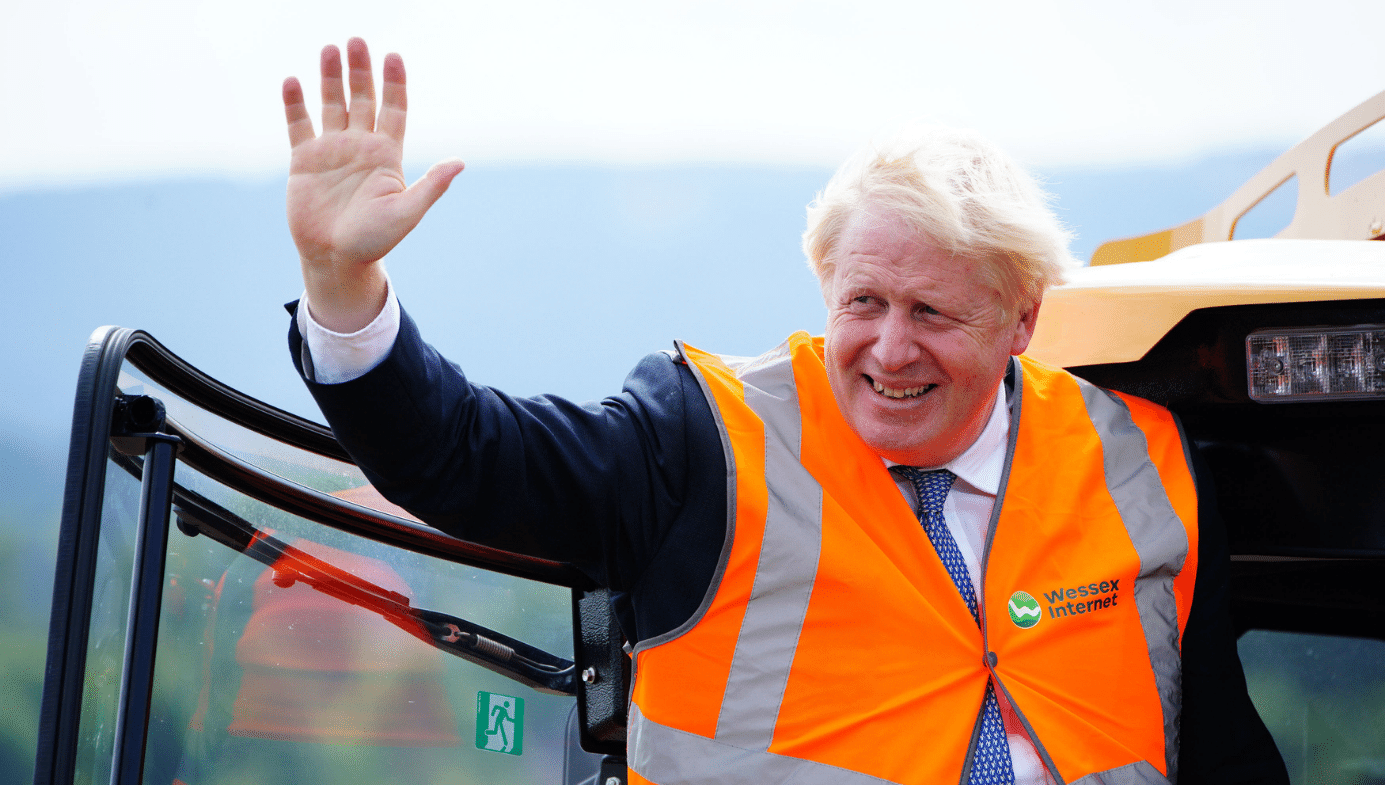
929	310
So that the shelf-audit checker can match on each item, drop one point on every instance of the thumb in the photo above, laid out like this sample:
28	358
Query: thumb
426	190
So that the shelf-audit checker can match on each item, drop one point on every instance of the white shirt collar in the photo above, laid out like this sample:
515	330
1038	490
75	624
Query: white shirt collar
980	464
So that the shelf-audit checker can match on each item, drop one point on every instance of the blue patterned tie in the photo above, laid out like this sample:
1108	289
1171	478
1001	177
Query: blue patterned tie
992	765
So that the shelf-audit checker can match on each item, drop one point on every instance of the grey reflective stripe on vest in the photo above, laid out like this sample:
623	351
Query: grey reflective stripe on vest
1159	538
1141	772
675	757
787	565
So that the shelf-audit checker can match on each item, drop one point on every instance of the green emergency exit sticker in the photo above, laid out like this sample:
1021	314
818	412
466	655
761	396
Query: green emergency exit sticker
499	723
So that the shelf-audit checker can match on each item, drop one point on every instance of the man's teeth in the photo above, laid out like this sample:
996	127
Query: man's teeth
908	392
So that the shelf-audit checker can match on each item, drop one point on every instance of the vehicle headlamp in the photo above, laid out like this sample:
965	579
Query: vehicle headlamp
1316	363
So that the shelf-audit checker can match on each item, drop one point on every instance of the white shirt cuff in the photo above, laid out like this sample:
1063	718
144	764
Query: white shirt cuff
340	357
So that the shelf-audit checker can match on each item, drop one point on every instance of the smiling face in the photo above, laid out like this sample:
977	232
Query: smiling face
917	342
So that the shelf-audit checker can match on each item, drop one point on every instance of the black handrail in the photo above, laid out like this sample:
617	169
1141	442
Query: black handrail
383	527
176	375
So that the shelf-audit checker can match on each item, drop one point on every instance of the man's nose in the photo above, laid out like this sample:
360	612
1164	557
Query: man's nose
896	344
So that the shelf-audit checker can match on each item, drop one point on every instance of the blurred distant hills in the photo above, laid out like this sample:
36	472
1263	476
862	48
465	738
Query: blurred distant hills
511	260
537	279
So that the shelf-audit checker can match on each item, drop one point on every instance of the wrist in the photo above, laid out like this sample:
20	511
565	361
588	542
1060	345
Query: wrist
344	301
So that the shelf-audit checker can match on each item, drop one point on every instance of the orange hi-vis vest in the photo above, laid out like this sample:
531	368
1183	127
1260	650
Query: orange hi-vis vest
833	647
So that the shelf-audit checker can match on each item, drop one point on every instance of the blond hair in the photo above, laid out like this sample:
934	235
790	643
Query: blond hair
958	192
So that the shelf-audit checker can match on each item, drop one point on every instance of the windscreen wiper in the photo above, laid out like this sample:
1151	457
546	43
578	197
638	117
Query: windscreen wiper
494	651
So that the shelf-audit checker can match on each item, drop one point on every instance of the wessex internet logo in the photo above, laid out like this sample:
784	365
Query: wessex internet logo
1062	602
1024	610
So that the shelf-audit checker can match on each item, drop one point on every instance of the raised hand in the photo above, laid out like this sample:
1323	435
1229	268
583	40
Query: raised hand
348	204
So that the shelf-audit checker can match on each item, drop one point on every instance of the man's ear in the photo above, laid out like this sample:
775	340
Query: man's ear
1024	327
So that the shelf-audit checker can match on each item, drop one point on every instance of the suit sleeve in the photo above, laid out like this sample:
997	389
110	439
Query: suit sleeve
604	486
1222	738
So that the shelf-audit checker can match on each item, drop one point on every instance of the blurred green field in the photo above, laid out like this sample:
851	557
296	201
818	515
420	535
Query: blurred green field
26	573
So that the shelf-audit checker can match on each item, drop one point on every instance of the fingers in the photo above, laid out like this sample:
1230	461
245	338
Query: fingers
362	81
333	97
395	105
296	112
336	116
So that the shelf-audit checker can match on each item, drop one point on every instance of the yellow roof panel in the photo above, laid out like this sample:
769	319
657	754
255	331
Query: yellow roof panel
1116	313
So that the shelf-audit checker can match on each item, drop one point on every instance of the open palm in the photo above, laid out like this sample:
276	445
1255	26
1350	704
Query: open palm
348	204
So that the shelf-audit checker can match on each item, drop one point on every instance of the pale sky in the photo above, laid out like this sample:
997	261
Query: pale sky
103	91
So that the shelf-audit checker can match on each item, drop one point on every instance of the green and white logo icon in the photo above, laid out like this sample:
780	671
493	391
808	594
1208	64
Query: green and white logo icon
1024	610
499	723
